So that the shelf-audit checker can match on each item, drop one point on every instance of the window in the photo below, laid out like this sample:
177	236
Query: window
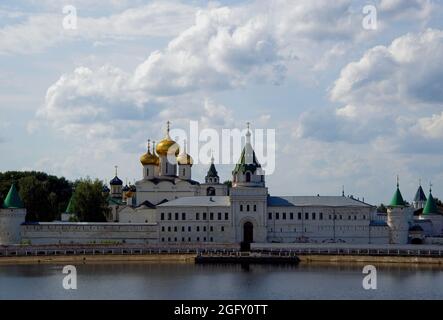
183	216
270	215
169	229
277	216
226	216
255	208
204	216
247	208
169	239
204	229
163	239
349	217
248	177
364	217
189	229
299	216
183	229
189	239
321	215
163	229
291	215
197	216
219	216
169	216
183	239
175	229
341	217
313	216
222	228
175	239
212	239
162	216
241	207
176	216
198	239
198	229
211	215
284	215
306	216
147	172
211	228
204	239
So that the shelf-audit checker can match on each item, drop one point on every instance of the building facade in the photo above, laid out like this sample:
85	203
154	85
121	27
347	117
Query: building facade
167	207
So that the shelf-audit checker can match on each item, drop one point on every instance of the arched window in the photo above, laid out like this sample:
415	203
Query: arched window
147	172
210	191
248	176
184	172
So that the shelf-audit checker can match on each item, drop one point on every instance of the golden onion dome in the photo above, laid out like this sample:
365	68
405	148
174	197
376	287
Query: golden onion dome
167	146
129	194
184	158
149	158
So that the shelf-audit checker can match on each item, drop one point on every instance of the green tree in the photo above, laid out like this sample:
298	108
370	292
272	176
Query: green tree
44	196
88	201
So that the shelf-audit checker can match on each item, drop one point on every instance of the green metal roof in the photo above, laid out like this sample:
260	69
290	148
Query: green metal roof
212	173
431	206
13	200
397	199
70	207
242	166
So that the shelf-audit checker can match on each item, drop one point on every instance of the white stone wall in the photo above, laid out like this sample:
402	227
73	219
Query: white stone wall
201	224
155	193
319	224
10	221
398	222
131	215
87	233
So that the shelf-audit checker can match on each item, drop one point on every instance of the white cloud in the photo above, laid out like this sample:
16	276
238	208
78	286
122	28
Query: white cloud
393	93
35	32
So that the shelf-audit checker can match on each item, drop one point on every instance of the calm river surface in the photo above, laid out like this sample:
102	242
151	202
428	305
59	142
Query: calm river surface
189	281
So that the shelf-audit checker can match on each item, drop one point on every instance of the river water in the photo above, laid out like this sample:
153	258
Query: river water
189	281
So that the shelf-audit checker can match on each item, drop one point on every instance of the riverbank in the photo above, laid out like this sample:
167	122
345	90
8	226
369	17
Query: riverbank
75	259
191	258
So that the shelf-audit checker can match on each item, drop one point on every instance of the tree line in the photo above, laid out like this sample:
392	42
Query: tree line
46	197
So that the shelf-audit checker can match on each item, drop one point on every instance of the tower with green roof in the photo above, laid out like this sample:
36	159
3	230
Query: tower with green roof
12	215
430	212
69	212
399	214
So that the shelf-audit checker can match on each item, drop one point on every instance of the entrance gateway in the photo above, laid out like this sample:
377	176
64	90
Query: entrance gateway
248	236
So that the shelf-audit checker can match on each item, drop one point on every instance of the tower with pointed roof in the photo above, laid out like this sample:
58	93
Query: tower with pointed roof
399	214
212	185
12	215
249	197
420	198
431	212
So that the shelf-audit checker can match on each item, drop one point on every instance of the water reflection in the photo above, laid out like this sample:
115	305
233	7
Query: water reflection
143	280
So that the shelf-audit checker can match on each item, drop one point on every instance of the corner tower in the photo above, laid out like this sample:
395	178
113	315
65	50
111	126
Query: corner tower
12	215
398	218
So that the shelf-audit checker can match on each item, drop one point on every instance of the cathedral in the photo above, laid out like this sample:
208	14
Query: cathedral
166	206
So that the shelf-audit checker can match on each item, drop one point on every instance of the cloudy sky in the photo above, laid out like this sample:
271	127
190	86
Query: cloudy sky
350	106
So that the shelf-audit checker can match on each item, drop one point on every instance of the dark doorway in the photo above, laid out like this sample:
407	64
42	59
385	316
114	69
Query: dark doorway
248	177
416	241
248	236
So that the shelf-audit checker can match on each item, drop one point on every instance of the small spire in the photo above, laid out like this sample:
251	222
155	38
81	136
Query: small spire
343	191
168	128
153	147
116	170
149	145
248	134
398	181
430	187
212	156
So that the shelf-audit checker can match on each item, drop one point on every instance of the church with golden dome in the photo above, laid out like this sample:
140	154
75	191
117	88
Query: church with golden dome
166	206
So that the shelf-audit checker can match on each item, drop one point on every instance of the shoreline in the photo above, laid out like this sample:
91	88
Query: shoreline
190	258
